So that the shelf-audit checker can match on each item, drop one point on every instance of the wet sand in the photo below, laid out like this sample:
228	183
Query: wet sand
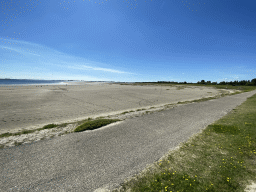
33	106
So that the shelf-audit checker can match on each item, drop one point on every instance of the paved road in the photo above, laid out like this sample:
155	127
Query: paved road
90	160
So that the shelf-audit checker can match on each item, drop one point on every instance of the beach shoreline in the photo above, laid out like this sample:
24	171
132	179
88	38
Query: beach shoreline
33	106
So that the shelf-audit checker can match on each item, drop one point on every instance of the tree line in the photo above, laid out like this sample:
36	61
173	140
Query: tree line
233	83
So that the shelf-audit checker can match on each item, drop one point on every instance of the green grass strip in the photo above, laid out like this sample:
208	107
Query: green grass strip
49	126
94	124
221	158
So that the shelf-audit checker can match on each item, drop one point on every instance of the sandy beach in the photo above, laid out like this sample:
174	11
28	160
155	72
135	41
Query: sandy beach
33	106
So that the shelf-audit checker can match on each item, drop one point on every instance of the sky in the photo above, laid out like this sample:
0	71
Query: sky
128	40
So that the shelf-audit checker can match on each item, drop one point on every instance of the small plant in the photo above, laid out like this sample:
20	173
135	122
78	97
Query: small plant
6	134
26	132
49	126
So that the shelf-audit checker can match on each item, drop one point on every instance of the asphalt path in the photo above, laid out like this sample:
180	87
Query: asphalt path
105	157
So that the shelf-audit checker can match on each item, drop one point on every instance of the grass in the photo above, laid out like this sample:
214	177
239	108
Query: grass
125	112
94	124
141	109
182	86
87	124
49	126
220	158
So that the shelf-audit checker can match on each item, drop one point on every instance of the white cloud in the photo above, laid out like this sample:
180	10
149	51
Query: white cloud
85	67
52	58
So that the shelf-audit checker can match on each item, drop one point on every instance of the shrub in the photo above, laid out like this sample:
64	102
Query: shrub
90	125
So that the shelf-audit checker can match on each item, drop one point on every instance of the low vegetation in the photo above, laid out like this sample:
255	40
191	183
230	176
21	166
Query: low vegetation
242	88
220	158
49	126
94	124
202	82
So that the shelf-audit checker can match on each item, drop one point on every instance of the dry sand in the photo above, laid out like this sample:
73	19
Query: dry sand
31	107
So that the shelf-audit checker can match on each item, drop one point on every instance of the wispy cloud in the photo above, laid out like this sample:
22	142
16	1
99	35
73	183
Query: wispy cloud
85	67
21	51
52	58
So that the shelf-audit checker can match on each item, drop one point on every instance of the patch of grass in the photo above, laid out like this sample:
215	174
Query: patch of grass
241	88
6	135
101	117
227	129
90	125
184	102
180	87
49	126
220	158
63	125
124	112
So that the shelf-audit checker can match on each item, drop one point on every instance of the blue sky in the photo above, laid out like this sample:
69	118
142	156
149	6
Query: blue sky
128	40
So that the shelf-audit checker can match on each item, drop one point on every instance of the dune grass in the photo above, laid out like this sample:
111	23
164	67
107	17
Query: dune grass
94	124
220	158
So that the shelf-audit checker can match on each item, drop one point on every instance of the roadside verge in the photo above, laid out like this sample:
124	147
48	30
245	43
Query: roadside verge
220	158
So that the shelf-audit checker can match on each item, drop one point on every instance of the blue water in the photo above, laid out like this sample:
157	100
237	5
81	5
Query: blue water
30	82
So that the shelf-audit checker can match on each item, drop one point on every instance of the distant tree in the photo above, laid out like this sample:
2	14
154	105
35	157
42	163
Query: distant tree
243	82
185	82
214	83
248	84
202	82
208	82
253	81
222	83
230	83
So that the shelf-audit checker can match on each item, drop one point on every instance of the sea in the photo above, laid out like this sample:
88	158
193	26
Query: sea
17	82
